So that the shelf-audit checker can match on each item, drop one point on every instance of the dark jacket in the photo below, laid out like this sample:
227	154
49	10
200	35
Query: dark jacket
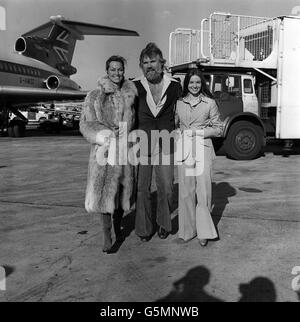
165	119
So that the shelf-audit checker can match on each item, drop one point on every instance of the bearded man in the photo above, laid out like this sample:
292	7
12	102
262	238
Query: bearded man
155	110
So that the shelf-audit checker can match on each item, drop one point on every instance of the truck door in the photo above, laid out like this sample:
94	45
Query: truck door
288	96
250	100
227	91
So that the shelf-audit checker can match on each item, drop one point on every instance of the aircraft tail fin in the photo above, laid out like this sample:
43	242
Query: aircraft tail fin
54	42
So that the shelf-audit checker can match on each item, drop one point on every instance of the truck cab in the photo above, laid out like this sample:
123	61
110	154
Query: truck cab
238	105
233	92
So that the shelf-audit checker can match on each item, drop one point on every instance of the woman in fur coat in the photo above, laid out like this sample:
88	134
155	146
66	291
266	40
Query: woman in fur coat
109	184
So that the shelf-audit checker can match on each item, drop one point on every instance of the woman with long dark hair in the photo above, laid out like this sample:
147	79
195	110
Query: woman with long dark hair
198	120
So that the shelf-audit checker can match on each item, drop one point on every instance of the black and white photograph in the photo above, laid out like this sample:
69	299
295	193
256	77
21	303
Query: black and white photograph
149	153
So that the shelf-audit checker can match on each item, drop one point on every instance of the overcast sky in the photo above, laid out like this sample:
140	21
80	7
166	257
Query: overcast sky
152	19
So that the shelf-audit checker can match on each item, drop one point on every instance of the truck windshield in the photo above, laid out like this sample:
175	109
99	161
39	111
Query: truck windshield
225	85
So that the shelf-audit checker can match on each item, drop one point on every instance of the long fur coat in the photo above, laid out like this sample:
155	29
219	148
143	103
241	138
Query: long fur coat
108	186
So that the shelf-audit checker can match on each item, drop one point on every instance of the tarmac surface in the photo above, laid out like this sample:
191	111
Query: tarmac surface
51	249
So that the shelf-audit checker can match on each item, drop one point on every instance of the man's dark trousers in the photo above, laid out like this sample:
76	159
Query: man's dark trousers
164	175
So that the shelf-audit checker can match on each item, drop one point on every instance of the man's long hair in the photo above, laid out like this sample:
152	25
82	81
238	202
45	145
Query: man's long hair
151	50
204	88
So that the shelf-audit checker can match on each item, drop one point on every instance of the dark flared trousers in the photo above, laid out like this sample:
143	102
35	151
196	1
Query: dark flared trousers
164	175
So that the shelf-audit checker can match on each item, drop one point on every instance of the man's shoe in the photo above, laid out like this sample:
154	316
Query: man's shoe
203	242
145	238
162	233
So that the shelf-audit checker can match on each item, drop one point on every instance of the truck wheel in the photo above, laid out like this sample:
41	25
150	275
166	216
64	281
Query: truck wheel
244	141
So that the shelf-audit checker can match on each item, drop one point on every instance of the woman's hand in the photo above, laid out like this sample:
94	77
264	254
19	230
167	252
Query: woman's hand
103	137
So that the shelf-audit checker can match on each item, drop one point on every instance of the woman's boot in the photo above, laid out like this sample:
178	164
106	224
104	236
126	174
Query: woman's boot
106	226
117	218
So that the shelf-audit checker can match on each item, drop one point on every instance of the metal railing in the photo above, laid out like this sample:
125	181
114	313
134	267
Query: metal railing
226	38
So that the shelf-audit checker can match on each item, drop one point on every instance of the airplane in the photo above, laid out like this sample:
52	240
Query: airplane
41	72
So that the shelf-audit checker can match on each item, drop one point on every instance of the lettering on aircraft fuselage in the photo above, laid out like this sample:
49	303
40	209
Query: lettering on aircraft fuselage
26	80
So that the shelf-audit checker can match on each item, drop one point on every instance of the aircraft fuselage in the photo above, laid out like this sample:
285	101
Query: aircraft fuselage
21	74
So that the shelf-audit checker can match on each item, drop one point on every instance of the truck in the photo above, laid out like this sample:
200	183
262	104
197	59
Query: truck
251	65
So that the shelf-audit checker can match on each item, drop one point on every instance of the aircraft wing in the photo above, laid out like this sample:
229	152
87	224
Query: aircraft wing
79	28
91	29
25	95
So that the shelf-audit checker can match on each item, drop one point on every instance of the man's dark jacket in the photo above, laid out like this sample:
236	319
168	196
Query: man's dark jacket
165	119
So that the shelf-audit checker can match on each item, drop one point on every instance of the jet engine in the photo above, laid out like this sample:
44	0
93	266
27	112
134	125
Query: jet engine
60	82
36	48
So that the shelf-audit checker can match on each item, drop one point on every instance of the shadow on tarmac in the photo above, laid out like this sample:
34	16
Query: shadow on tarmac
190	288
220	193
259	289
8	269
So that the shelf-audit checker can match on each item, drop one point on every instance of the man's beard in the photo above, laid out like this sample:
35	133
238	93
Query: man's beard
153	75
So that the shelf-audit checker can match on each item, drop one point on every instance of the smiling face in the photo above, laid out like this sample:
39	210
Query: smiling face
152	68
194	85
115	72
